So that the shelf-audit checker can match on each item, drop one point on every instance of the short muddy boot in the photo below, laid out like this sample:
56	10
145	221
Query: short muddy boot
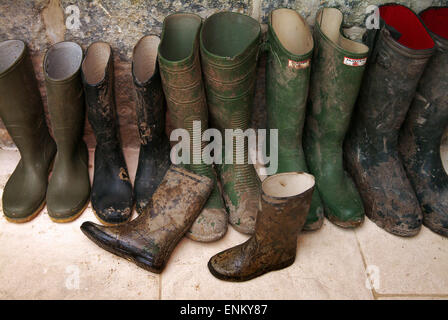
154	156
421	134
149	239
285	202
400	52
180	70
229	51
112	189
338	66
69	186
290	47
22	113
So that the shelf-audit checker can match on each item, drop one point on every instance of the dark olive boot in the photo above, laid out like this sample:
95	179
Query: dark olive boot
285	202
290	47
338	66
154	156
421	134
180	70
22	113
400	52
149	239
69	186
111	190
229	51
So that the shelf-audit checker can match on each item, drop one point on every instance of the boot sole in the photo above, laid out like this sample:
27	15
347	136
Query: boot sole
30	217
396	232
71	218
345	224
220	276
109	224
436	229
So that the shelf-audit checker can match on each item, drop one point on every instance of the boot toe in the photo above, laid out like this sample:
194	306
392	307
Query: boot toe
345	217
113	216
210	225
225	265
60	211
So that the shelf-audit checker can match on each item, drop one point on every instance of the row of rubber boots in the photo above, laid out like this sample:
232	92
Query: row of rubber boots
391	147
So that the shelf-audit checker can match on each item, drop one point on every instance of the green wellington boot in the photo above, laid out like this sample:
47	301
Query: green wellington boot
338	66
426	120
180	70
69	186
290	47
229	51
22	113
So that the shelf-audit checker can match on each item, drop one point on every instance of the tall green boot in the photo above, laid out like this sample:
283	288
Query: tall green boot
290	47
229	51
22	113
69	186
180	70
338	66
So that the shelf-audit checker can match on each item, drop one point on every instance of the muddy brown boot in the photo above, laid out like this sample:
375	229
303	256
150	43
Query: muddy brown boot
229	51
69	186
285	202
22	113
149	240
426	120
112	189
180	69
154	157
401	50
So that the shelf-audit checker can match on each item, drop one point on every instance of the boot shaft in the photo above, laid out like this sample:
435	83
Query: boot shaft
97	73
180	70
21	107
290	47
65	95
285	202
150	101
397	62
338	67
229	64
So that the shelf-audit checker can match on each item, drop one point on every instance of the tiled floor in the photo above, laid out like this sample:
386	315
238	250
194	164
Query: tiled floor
43	260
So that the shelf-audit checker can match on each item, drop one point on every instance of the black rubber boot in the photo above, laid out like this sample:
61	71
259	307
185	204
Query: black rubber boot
401	50
154	157
112	190
422	131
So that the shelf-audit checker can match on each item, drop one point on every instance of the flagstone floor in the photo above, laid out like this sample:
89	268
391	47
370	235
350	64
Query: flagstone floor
44	260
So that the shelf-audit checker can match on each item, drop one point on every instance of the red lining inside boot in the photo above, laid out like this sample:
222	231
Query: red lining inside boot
436	19
402	19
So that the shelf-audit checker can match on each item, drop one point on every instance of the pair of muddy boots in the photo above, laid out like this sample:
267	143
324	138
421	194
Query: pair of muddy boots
337	68
67	192
392	149
226	47
112	196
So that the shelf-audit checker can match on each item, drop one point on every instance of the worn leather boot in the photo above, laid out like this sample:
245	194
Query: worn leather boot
285	202
112	189
180	70
22	113
401	49
338	66
69	186
290	47
149	239
229	51
421	134
154	156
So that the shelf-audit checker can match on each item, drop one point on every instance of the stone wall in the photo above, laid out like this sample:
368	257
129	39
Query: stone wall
122	22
